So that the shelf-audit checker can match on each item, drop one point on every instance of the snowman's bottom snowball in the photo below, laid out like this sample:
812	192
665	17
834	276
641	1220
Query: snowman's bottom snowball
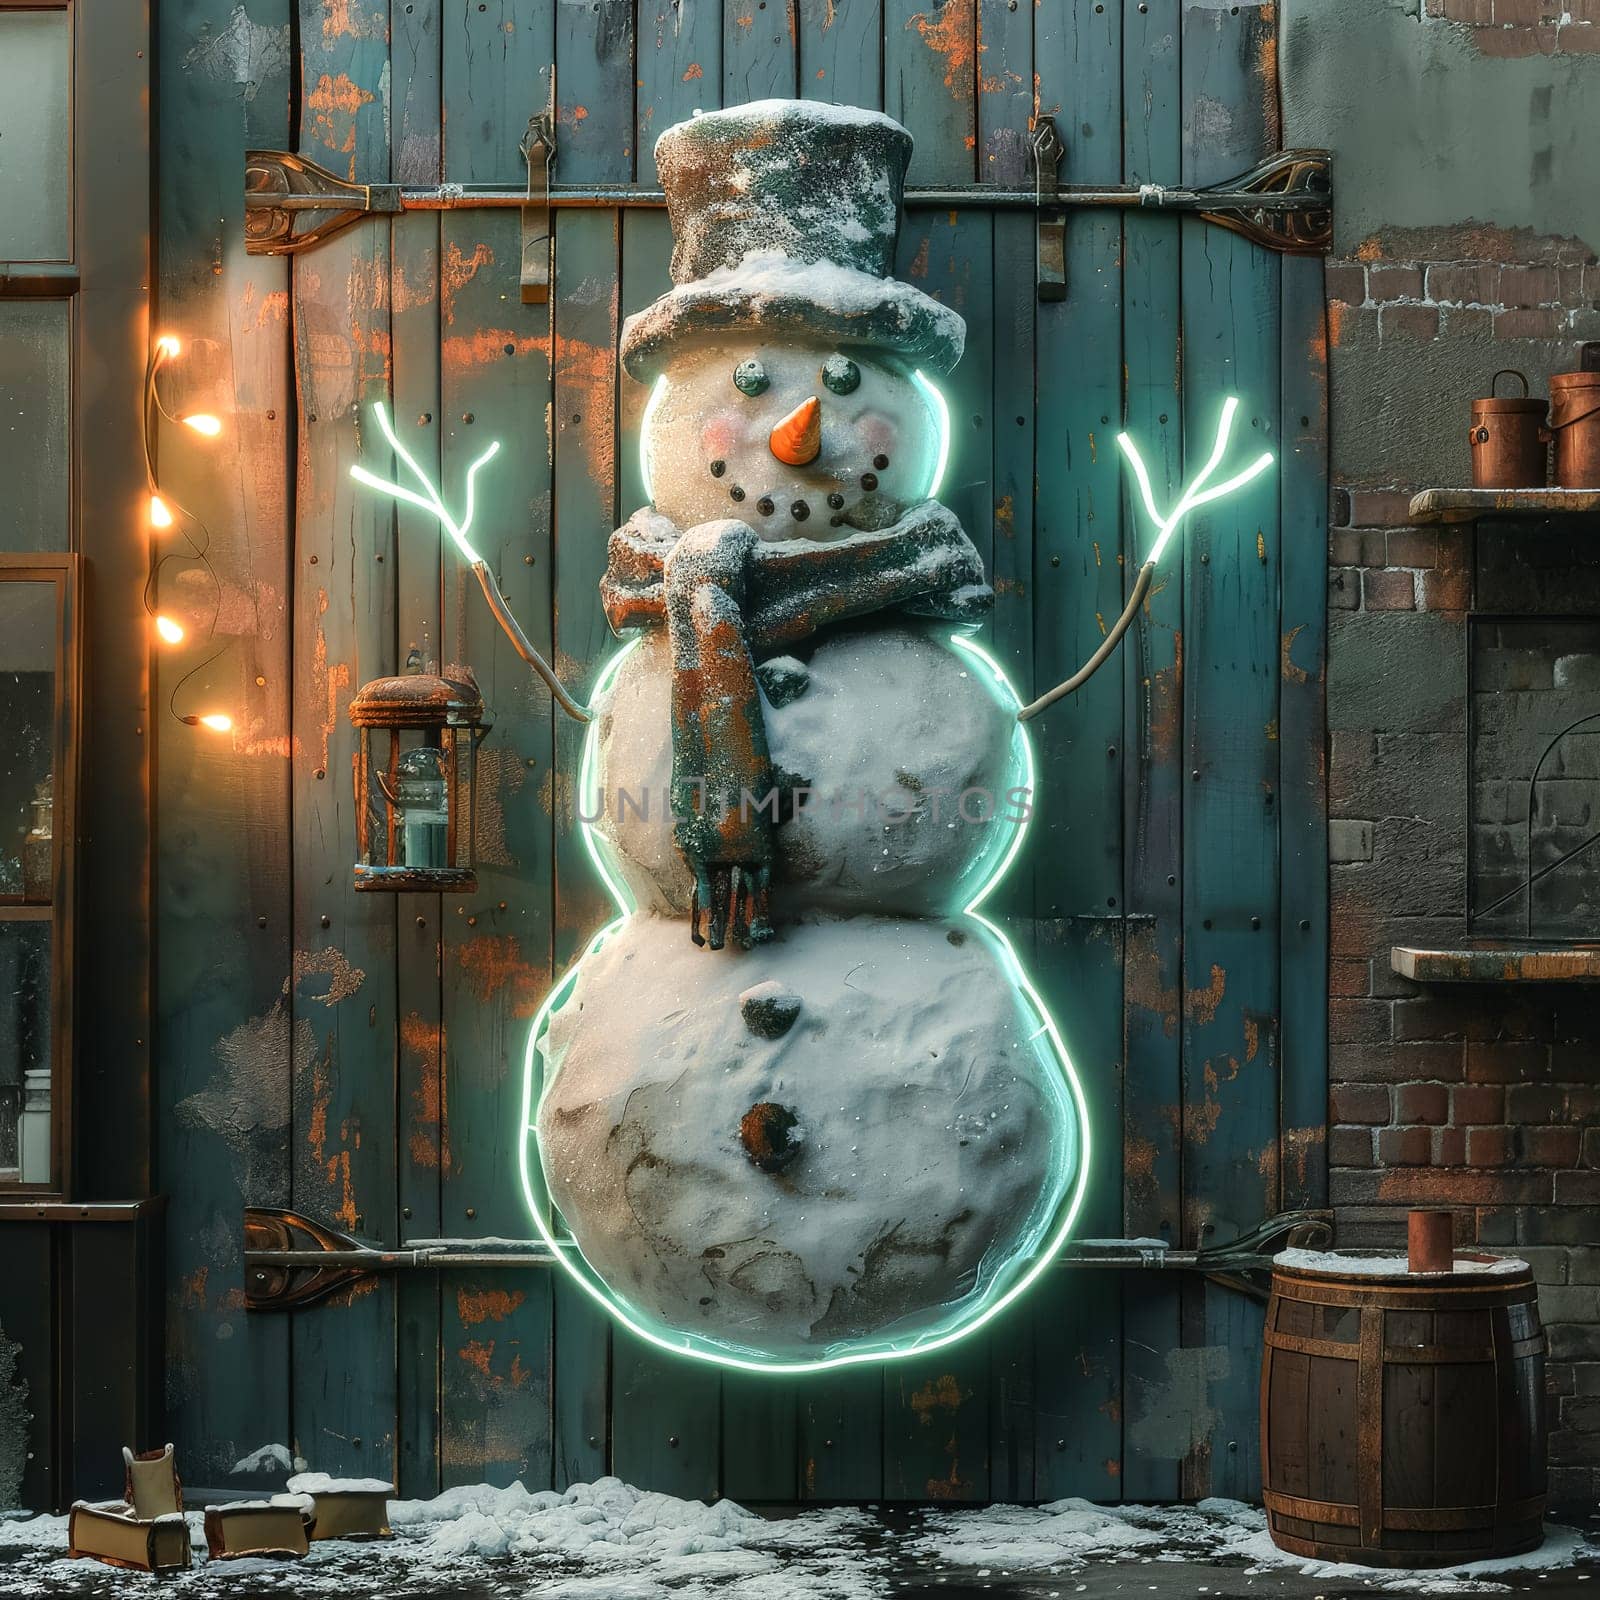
934	1137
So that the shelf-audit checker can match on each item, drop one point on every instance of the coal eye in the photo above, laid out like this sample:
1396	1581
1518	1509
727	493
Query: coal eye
841	374
750	377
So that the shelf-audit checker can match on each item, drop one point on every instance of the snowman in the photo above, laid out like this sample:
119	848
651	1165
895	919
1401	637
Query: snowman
798	1104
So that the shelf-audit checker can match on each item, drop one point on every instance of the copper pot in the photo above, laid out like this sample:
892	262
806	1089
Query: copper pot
1575	422
1509	438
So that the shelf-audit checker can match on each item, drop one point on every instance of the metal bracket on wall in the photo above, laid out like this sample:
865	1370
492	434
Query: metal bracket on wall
291	1261
538	149
1285	204
1050	257
292	204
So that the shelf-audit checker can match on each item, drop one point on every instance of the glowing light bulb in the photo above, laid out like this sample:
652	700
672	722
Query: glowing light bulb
203	422
170	630
168	345
217	721
160	516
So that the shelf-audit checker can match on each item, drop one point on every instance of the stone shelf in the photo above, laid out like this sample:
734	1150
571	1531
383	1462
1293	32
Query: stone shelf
1468	505
1499	963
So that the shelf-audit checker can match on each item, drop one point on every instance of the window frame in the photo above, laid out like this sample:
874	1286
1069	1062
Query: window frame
62	570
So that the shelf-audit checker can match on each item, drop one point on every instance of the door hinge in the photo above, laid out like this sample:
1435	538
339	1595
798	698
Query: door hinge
538	149
1051	254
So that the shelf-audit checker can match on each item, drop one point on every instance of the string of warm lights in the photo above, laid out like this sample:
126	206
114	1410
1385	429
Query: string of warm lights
165	515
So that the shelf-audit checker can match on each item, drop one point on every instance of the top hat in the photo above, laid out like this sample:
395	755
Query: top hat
785	215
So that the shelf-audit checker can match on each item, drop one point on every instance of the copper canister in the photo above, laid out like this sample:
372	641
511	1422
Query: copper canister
1575	422
1509	438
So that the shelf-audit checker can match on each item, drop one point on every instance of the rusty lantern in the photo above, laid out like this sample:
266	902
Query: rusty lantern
416	794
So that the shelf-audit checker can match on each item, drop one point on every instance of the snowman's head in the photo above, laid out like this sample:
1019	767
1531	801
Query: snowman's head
804	439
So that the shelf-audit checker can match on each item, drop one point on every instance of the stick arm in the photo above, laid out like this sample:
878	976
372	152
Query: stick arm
1141	588
522	645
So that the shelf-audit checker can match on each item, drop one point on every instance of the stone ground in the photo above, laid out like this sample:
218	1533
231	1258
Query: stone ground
886	1566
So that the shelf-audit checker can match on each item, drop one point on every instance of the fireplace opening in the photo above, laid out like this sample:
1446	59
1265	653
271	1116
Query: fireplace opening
1533	778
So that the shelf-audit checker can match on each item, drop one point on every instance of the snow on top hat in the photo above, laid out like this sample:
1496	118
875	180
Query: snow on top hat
785	215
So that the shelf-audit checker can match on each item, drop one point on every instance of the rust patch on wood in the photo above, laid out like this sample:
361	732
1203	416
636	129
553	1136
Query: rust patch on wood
1200	1119
457	271
343	979
1200	1005
919	262
422	1047
694	72
952	1488
949	32
463	351
585	374
937	1394
330	682
192	1289
1290	672
1143	987
494	968
1166	704
334	102
341	21
487	1305
478	1354
501	776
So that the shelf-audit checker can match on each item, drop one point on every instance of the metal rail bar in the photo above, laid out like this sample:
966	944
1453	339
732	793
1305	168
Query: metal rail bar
454	197
293	1261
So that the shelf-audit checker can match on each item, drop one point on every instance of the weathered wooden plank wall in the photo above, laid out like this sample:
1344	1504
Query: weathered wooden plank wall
359	1057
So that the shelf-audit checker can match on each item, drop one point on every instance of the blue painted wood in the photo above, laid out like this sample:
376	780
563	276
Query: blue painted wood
759	55
1302	720
407	1081
936	1413
1004	114
417	131
929	84
223	845
1231	325
496	945
343	992
841	52
654	1399
1154	1440
1076	844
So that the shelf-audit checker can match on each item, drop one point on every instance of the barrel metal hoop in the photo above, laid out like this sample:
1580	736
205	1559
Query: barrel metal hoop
1396	1296
1404	1519
1301	1344
1422	1355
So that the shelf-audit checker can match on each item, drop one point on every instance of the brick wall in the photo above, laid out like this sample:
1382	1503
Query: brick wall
1485	1099
1524	27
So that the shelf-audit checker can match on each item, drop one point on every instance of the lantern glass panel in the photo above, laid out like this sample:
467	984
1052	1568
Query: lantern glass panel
422	802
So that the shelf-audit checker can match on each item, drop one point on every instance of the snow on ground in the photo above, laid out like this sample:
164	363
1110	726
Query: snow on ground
607	1541
1066	1534
599	1541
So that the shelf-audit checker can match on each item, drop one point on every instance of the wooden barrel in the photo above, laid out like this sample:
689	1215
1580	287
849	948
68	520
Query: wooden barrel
1402	1416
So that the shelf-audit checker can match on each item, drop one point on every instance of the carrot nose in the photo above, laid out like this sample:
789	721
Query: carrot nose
798	438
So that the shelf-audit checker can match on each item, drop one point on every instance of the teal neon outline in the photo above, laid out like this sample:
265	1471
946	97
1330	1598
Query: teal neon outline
564	1250
941	414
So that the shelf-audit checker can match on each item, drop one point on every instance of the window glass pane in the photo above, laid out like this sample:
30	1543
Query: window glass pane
35	143
27	751
25	1058
35	353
